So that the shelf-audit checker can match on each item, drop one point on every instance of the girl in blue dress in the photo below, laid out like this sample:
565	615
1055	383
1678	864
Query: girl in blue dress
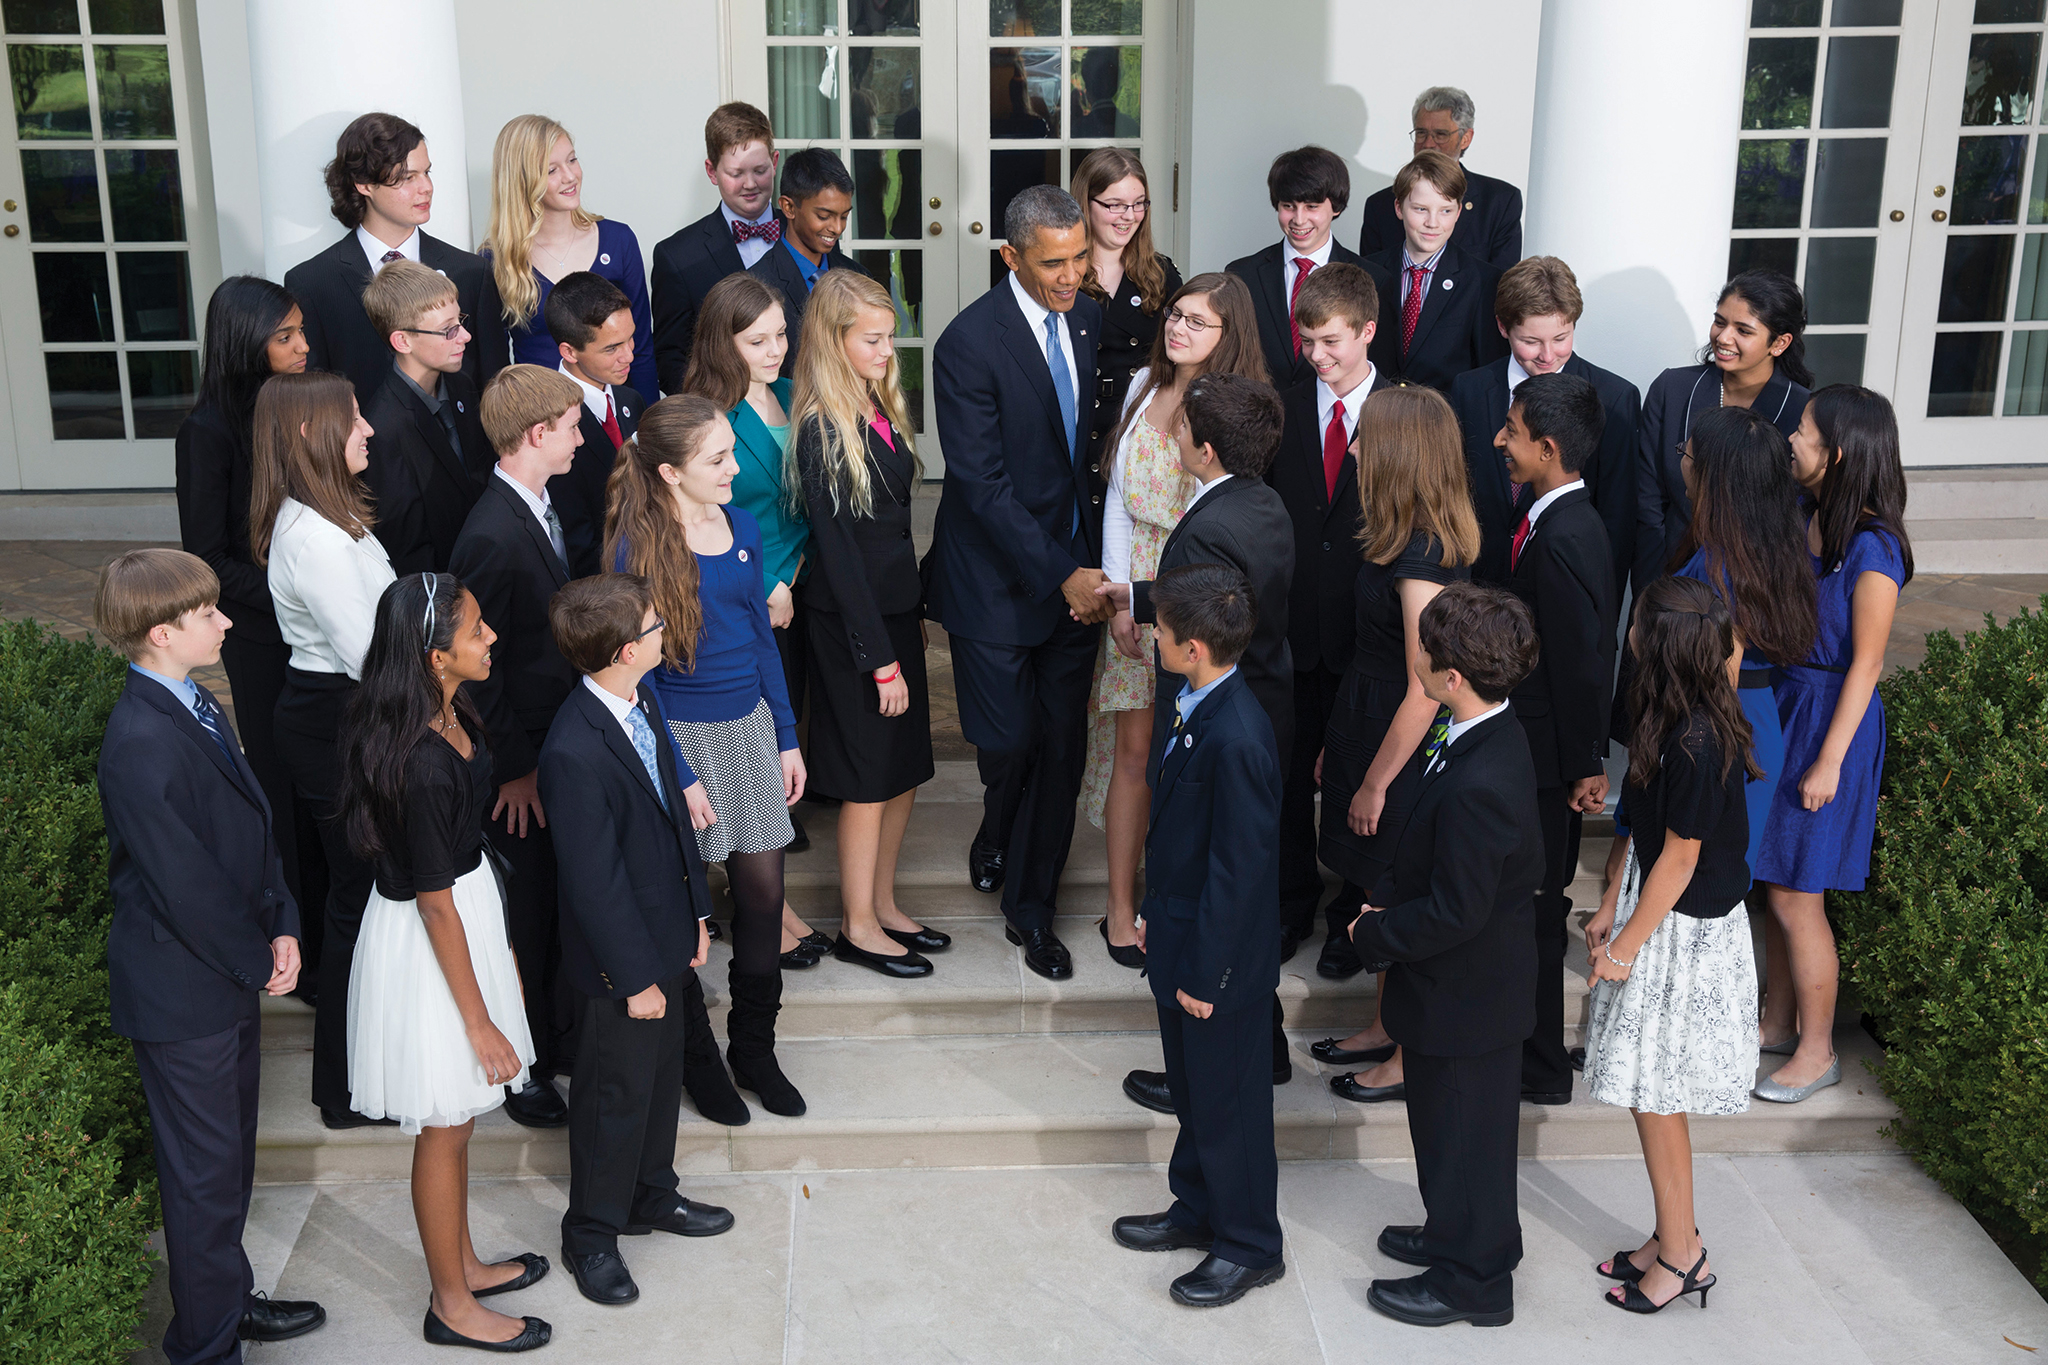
1845	456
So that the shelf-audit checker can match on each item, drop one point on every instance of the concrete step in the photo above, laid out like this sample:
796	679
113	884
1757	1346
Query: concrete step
1986	493
1987	545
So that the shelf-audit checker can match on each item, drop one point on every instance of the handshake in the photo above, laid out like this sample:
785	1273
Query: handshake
1092	598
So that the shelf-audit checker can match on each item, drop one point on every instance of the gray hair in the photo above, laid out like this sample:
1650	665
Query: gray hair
1445	99
1037	209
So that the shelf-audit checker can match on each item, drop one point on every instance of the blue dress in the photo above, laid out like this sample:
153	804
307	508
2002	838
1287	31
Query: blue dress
618	260
1760	708
1829	849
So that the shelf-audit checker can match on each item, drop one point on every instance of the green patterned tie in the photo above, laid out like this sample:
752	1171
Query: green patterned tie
1439	734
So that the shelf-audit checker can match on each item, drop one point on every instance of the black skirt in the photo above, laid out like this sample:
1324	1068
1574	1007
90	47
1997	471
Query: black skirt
1358	724
856	753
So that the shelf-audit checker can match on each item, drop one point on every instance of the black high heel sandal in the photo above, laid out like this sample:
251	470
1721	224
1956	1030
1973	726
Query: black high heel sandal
1622	1268
1636	1301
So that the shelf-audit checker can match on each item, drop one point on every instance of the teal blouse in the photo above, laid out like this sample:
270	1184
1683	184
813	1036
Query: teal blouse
758	488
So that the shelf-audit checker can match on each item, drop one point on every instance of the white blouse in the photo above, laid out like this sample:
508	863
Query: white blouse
324	585
1116	518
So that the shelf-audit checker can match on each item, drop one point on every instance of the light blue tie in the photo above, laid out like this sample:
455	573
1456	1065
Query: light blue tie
1063	386
643	745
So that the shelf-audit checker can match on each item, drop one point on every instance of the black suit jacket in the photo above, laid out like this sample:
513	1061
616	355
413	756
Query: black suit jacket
214	469
1241	523
424	489
1456	332
686	265
863	569
1003	541
1490	227
1480	398
630	881
1212	860
1566	575
1458	922
1272	285
1321	613
329	288
579	495
504	558
192	861
779	268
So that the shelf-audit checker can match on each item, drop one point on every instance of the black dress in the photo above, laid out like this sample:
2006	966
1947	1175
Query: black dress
1126	347
1372	690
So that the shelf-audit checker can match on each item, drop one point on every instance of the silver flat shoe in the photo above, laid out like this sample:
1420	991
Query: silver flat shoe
1784	1049
1768	1089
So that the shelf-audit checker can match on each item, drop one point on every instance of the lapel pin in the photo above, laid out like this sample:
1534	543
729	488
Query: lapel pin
442	273
459	407
1468	203
605	257
1187	741
1449	283
1137	301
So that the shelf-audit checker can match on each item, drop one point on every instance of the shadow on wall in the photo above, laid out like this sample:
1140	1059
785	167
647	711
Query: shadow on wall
1636	325
290	238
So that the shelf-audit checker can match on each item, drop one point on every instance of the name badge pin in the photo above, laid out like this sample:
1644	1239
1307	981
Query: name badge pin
743	556
1187	741
604	258
1449	283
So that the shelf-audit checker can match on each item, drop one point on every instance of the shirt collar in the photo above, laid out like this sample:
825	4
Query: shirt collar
767	215
1516	374
1459	727
374	249
1326	398
539	504
593	396
1191	697
184	689
1321	255
804	265
1202	491
432	400
1035	312
618	706
1409	262
1553	495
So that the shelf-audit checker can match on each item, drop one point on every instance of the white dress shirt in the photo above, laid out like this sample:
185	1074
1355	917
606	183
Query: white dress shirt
1201	493
538	506
754	248
1516	374
1429	266
1542	504
594	398
375	250
1035	314
1459	727
1326	399
620	707
324	585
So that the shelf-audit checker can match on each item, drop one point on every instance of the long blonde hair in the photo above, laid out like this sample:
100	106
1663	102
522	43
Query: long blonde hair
519	180
1411	477
1099	170
839	402
640	515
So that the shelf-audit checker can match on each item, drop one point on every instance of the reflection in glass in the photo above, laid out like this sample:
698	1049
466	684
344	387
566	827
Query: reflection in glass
2007	12
148	202
2026	375
73	296
1024	86
161	389
2037	193
1987	180
1764	253
63	196
1770	178
156	296
1848	182
886	194
40	16
1108	16
1784	13
1010	172
135	91
1838	273
85	395
1778	90
126	16
803	92
2032	303
802	18
1105	90
996	269
903	273
1964	377
49	90
1010	18
883	18
910	377
1999	86
1858	93
884	82
1974	274
1834	358
1865	13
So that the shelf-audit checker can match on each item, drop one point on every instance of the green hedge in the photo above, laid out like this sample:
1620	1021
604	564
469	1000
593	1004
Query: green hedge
1948	949
77	1186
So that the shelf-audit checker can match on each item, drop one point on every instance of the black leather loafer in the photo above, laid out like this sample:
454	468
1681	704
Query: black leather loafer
904	966
1216	1282
1338	960
921	939
349	1118
1123	955
1148	1090
800	839
1403	1242
1329	1052
1346	1087
1158	1232
1546	1097
1410	1301
439	1333
984	867
603	1277
686	1220
539	1105
1290	941
268	1319
1043	952
536	1271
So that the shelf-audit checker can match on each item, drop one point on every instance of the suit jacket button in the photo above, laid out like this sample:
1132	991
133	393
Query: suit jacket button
1097	499
1326	545
906	535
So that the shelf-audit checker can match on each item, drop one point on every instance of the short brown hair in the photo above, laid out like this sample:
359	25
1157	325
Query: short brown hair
1213	603
1437	169
144	589
735	125
370	151
1241	418
594	618
403	293
299	442
1486	634
1309	175
1536	288
522	397
1337	290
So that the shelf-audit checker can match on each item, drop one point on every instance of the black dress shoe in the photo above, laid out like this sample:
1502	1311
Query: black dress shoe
921	939
800	839
1339	960
1148	1089
1216	1282
1410	1301
1403	1242
1546	1097
984	866
1123	955
1043	952
268	1319
539	1105
904	966
349	1118
439	1333
1577	1056
1328	1052
536	1271
1346	1087
685	1220
602	1277
712	931
1290	940
1158	1232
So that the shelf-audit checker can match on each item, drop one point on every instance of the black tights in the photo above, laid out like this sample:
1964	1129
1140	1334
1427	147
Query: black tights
756	881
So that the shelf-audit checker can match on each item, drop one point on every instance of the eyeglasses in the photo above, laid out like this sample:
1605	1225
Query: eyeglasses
658	624
445	333
1436	136
1117	208
1194	324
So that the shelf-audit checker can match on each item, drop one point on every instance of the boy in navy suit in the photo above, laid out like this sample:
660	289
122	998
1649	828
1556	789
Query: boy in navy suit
592	324
203	925
1210	927
1436	301
1309	188
816	202
739	158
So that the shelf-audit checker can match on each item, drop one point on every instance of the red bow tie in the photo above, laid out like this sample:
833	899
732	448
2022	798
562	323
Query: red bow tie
769	232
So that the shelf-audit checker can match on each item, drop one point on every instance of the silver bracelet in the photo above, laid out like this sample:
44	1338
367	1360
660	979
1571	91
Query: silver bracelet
1608	953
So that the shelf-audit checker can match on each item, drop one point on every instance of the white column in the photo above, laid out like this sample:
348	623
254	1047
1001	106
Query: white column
1632	171
315	67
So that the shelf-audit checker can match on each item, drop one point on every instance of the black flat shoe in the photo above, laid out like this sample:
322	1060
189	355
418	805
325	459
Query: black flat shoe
984	867
439	1333
349	1118
1216	1282
1123	955
1403	1242
800	840
903	968
268	1319
1546	1097
536	1271
1043	952
921	939
1410	1301
818	939
1346	1087
711	1093
1148	1090
539	1105
1338	960
603	1278
1158	1232
686	1219
801	958
1328	1052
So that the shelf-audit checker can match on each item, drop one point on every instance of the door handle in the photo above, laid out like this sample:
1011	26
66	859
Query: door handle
974	228
1898	215
1940	216
932	202
13	231
935	229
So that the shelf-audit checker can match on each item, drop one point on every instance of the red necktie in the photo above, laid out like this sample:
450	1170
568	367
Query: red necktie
1411	307
388	257
1334	443
611	423
1302	265
1515	550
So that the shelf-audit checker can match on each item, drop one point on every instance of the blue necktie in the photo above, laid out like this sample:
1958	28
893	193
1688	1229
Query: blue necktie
216	724
643	745
1063	386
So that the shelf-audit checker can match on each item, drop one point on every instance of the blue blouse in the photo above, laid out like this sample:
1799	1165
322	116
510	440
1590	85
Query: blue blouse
785	535
618	260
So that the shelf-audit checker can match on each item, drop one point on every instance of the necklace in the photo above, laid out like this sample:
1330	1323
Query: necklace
441	722
551	255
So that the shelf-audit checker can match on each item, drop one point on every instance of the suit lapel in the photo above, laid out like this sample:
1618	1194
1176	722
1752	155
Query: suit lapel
715	241
1270	294
436	437
351	264
622	748
1024	347
234	769
1443	287
536	531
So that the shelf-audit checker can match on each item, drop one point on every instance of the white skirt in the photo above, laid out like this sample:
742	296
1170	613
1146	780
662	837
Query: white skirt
1680	1035
409	1056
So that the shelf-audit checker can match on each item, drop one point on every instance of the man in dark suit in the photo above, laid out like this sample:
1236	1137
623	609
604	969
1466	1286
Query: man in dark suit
1560	565
1210	927
1436	302
1490	228
633	932
816	202
1537	309
1011	574
1453	915
739	158
203	925
428	453
382	190
1309	187
592	324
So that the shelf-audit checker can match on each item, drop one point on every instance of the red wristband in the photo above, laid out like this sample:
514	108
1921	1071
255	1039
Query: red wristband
892	677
